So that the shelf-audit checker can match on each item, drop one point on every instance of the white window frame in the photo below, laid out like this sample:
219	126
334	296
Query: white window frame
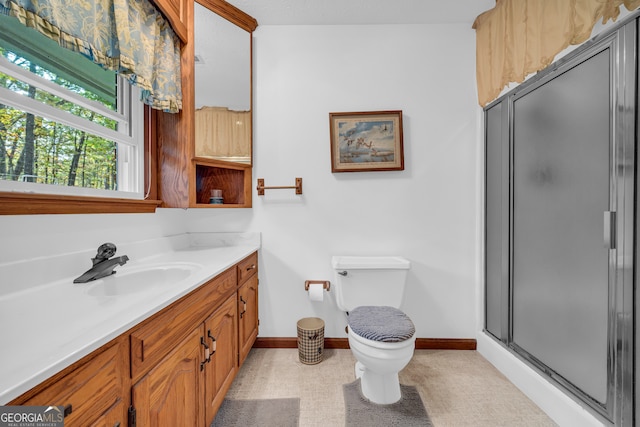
129	136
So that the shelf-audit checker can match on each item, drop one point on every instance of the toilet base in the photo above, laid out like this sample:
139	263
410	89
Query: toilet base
378	365
359	369
381	389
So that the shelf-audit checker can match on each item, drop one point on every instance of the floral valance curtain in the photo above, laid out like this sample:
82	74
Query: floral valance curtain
128	36
519	37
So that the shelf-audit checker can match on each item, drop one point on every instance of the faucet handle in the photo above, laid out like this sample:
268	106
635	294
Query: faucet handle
105	251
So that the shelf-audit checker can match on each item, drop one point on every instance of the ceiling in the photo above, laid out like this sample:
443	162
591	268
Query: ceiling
362	12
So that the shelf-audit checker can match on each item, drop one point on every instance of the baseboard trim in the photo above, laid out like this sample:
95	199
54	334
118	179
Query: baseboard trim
446	344
421	343
286	342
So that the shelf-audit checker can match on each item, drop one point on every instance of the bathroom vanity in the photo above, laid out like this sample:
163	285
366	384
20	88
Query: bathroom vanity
168	365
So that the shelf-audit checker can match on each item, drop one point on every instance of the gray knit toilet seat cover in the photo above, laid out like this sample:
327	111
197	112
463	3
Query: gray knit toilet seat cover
381	323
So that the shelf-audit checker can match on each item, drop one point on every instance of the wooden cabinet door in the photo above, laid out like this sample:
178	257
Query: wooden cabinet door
221	335
171	393
247	316
89	390
114	417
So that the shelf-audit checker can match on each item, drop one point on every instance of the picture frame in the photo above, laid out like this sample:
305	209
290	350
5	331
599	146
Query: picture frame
366	141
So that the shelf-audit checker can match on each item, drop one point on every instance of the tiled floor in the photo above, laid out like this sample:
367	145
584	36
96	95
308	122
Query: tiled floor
459	388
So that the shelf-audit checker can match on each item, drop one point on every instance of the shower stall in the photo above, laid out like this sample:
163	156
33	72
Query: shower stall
560	209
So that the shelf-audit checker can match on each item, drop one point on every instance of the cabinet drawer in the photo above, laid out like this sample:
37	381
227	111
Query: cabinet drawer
247	267
91	389
155	337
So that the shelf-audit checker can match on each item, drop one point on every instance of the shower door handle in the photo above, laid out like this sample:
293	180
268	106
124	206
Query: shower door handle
610	229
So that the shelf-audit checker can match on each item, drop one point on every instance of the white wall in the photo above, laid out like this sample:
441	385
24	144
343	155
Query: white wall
426	213
24	237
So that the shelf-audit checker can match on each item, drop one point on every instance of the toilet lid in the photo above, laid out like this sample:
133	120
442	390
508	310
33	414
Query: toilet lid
381	323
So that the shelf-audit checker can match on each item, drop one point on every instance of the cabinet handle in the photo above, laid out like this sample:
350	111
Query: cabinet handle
244	307
253	266
214	344
207	355
117	424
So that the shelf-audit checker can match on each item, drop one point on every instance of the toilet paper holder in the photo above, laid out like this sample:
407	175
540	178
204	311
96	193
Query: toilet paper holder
326	285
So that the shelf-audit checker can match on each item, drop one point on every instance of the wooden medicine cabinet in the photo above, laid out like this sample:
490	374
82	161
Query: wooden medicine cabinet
209	144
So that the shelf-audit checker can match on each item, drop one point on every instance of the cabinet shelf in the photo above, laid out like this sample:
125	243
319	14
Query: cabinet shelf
234	181
208	161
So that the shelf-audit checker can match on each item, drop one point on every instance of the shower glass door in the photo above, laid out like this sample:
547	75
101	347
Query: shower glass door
561	274
496	215
560	223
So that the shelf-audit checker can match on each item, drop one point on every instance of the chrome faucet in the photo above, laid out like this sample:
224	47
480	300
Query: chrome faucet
103	264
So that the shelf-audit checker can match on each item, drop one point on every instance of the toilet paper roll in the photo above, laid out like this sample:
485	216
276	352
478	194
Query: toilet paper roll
316	292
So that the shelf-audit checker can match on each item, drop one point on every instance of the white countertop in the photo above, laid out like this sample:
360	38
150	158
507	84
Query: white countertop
46	327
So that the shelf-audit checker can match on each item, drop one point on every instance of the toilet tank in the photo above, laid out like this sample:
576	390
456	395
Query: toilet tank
374	280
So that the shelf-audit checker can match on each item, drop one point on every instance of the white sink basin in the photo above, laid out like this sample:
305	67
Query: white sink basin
147	278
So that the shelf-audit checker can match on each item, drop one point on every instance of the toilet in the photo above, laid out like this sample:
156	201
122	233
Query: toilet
382	338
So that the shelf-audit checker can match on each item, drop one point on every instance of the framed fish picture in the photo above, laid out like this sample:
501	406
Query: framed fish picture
366	141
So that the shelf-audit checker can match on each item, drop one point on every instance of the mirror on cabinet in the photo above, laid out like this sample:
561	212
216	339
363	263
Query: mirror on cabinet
222	74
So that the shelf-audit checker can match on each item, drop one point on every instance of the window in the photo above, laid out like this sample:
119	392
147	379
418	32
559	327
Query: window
67	126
